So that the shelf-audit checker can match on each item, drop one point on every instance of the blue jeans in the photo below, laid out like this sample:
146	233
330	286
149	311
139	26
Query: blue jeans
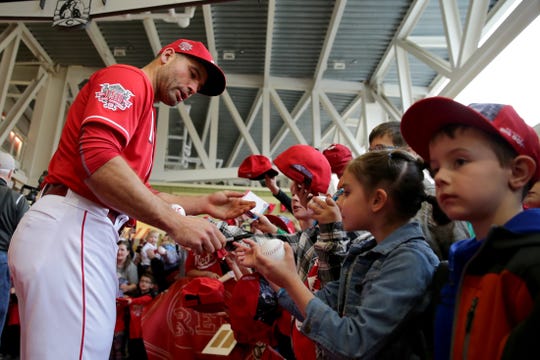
5	285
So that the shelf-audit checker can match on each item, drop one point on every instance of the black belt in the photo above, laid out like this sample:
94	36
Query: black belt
61	190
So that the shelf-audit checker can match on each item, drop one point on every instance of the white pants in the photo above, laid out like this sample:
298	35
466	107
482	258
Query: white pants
63	261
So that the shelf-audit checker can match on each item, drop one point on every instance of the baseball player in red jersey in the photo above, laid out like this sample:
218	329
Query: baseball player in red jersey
62	255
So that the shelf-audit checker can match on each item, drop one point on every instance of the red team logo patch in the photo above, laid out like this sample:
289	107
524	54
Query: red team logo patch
114	96
185	46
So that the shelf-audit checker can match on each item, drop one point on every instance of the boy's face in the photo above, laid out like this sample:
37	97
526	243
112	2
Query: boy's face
381	143
470	182
145	284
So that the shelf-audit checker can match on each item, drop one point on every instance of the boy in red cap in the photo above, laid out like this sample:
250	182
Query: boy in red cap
484	158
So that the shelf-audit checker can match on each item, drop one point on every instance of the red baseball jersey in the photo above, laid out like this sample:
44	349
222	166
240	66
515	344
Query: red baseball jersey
121	98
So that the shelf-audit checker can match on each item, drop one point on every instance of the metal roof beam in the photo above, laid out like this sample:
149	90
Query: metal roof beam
438	64
100	44
406	27
476	19
31	9
298	110
336	118
255	108
337	15
239	122
286	117
404	77
192	131
9	48
269	41
452	28
14	114
152	35
524	14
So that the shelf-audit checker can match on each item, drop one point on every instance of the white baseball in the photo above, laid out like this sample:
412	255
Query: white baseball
273	248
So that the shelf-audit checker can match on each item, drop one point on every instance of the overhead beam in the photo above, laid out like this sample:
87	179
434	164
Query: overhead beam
287	118
32	10
100	43
253	112
239	122
405	28
523	15
322	64
14	114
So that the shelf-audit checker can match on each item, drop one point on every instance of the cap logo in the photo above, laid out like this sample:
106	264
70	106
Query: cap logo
114	97
308	176
489	111
185	46
512	135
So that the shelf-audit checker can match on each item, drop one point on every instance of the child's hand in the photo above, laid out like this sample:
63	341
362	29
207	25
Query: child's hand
325	211
277	271
264	225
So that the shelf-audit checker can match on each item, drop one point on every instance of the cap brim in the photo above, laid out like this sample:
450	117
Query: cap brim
215	82
426	117
270	173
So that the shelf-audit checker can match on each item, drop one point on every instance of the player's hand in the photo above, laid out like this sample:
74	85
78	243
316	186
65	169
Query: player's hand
227	204
197	234
279	272
325	211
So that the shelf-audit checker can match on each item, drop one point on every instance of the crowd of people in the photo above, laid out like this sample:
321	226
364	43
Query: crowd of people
424	247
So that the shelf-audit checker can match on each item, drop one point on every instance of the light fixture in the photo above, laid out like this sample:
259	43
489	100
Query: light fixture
339	65
229	55
119	51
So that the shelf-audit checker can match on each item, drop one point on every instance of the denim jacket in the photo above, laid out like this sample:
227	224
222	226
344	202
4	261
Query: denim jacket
381	288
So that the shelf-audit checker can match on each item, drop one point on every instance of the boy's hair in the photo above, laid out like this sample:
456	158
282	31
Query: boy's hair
391	128
503	151
425	118
149	276
151	232
401	175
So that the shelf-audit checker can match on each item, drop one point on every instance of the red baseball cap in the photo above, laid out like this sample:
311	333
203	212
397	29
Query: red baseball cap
306	165
253	310
254	167
203	291
215	83
427	116
338	156
282	222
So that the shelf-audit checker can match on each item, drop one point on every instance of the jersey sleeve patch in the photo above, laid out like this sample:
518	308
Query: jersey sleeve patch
114	97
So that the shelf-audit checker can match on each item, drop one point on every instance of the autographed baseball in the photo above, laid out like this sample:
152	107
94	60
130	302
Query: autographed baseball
273	248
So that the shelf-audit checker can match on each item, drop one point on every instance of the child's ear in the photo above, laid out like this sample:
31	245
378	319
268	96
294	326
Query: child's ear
378	200
523	168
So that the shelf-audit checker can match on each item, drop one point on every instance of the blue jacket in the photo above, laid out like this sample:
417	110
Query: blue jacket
491	271
361	315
